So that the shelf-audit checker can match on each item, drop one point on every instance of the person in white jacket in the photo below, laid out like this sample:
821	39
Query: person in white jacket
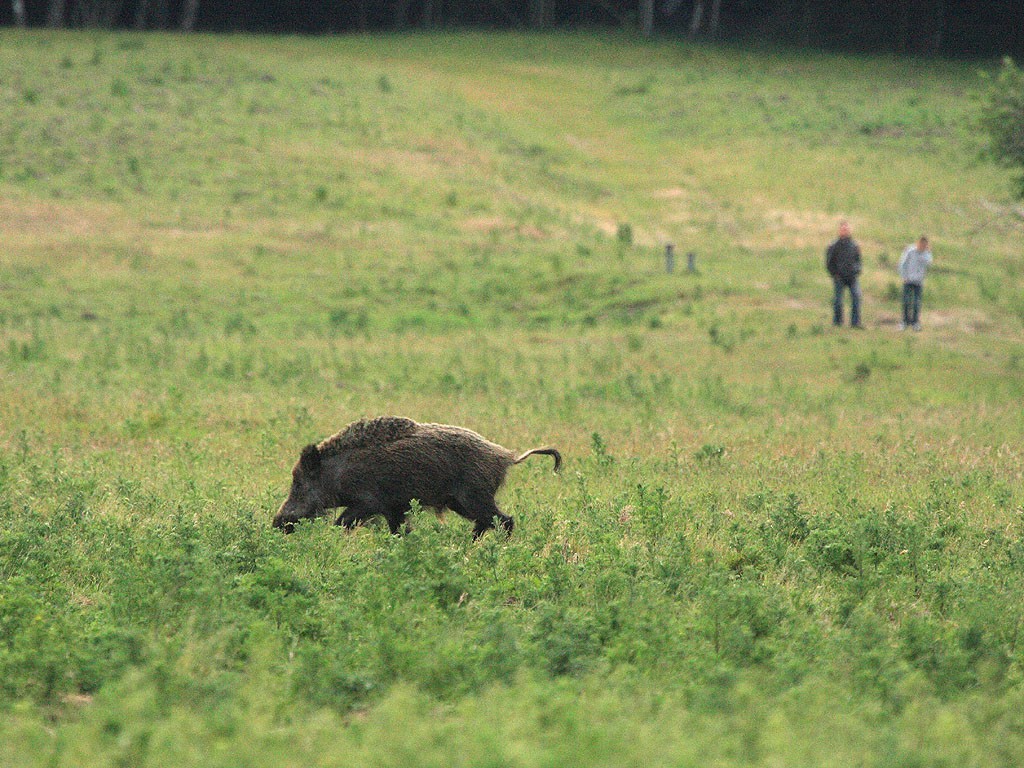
913	266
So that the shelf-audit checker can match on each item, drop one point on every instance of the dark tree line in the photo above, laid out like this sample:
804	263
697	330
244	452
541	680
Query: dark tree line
940	27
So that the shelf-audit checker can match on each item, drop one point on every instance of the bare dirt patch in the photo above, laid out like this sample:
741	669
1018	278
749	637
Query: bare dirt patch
496	225
963	320
672	193
784	228
57	220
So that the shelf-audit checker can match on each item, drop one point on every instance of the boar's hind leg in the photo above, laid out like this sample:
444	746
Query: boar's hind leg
482	510
395	517
348	519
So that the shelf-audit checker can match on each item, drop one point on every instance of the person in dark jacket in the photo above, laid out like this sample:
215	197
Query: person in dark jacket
842	260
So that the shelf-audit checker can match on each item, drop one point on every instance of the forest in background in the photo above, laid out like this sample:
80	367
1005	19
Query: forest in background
921	27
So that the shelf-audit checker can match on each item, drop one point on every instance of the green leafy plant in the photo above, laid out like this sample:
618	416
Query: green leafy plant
1002	117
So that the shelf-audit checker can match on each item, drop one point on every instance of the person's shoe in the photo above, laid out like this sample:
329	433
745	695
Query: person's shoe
903	326
917	326
857	326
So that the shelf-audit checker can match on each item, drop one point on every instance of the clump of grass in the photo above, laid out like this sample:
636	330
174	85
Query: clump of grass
624	235
710	452
119	89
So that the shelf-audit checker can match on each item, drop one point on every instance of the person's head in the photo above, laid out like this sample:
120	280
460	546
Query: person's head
844	228
922	243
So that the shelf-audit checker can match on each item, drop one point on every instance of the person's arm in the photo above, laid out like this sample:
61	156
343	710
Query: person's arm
903	262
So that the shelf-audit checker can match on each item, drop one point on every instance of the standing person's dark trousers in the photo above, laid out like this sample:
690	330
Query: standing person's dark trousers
841	284
912	304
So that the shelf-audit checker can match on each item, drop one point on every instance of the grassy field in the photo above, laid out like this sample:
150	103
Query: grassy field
773	543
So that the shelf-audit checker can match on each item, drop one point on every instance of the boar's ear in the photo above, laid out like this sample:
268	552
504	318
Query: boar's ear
310	459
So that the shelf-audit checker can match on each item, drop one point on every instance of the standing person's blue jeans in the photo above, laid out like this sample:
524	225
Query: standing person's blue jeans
842	283
912	304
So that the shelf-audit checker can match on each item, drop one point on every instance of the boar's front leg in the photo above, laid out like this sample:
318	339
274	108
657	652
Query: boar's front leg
349	519
357	513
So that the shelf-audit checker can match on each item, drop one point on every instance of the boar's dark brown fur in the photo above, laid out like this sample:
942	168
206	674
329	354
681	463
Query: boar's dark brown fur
378	466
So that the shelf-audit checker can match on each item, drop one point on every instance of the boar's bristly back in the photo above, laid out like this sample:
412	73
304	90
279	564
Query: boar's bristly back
369	433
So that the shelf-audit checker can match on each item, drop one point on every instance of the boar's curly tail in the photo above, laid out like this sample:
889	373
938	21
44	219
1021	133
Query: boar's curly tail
546	452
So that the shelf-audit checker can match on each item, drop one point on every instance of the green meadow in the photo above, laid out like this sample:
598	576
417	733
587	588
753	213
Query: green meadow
773	543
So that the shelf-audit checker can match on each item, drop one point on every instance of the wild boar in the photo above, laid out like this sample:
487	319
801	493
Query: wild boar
378	466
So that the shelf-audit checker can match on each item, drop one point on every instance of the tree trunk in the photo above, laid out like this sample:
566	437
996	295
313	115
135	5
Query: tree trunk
939	34
160	15
716	13
189	13
538	14
88	13
55	14
904	35
697	19
806	23
400	19
19	13
647	18
111	12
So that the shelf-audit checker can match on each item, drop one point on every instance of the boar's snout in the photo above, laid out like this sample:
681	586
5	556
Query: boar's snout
284	523
287	516
295	508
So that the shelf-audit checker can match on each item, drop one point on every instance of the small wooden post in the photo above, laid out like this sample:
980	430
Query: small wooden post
670	257
691	262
